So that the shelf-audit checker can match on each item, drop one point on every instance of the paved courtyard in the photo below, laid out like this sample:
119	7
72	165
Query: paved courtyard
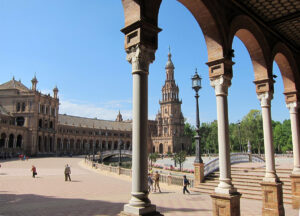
90	192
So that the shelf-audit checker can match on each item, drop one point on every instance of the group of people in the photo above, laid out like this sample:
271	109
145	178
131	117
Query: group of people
67	172
23	157
153	179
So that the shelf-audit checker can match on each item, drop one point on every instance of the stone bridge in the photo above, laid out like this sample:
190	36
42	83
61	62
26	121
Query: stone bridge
110	153
213	165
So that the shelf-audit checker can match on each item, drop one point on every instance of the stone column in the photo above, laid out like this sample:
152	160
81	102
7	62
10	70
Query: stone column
265	102
221	85
293	107
140	57
226	199
271	186
295	177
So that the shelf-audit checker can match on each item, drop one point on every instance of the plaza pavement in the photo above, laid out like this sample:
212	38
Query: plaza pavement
90	192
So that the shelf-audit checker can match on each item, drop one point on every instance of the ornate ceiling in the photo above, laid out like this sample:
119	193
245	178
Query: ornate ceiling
282	17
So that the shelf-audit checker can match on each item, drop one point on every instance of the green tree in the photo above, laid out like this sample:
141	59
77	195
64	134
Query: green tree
179	158
282	136
190	131
153	157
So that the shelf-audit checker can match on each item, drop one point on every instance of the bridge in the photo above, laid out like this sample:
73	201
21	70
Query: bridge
213	165
110	153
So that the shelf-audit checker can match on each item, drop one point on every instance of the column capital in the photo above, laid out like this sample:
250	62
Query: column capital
220	67
265	98
264	85
221	84
293	107
140	57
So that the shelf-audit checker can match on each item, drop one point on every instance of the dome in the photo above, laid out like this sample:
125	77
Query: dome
169	64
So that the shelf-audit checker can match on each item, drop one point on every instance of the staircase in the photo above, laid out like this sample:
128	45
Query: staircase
247	181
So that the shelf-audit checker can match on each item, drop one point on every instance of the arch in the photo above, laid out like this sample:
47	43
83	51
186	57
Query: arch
11	141
115	145
40	123
19	141
45	144
109	145
91	144
153	149
210	23
103	146
84	146
97	146
257	45
78	144
128	145
161	148
2	140
51	124
58	144
286	62
72	146
65	143
51	144
40	144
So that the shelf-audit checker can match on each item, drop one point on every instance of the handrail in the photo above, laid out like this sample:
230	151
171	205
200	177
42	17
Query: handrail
213	165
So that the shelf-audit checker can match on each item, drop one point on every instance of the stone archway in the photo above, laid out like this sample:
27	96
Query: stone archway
2	140
161	148
19	141
11	141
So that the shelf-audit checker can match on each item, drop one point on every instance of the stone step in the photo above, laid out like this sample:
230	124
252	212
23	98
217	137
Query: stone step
245	180
257	195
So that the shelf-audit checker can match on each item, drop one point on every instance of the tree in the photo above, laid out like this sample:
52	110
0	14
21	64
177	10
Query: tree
153	157
179	158
190	131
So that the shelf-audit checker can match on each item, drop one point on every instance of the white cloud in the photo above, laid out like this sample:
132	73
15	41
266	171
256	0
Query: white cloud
92	110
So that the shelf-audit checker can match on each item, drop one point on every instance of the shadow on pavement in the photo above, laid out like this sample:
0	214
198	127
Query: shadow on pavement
31	205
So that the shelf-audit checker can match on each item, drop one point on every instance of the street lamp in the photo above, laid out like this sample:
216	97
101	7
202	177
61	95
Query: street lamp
239	123
196	85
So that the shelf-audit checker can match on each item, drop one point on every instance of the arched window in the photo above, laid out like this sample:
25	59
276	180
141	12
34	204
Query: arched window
40	123
51	124
2	140
18	107
161	148
116	145
19	141
23	106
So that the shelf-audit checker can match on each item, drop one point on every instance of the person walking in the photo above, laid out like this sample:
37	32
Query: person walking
34	173
67	173
150	183
186	182
156	181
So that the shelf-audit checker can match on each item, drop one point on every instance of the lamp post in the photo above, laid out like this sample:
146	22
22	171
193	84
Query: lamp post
196	85
239	123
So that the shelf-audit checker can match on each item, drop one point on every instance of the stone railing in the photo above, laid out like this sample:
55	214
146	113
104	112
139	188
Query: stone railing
213	165
105	154
168	179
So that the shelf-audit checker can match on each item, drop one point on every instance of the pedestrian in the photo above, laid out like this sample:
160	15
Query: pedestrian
67	173
186	182
34	173
150	183
156	182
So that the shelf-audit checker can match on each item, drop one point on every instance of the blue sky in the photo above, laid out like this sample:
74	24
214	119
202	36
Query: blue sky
77	45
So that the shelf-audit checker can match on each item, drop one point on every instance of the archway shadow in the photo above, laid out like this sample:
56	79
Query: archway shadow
31	204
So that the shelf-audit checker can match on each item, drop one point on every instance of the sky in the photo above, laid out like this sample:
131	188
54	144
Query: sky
77	45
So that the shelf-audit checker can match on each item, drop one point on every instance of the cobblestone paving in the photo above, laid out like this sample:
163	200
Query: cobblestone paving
90	192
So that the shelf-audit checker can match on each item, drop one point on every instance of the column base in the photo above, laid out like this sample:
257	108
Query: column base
295	182
139	211
272	199
198	173
226	204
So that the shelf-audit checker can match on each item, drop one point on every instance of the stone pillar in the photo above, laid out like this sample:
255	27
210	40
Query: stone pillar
140	57
221	85
265	102
271	186
198	173
295	177
226	199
